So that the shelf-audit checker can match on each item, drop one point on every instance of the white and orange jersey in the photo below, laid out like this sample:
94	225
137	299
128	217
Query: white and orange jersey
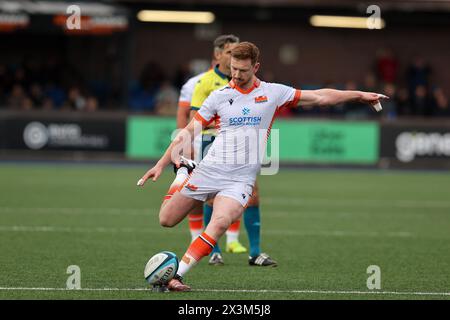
184	101
243	119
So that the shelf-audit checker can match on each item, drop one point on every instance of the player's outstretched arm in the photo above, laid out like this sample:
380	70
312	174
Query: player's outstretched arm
172	154
330	97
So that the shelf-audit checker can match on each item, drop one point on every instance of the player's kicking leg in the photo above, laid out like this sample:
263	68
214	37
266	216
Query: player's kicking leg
172	213
181	174
195	216
226	210
176	209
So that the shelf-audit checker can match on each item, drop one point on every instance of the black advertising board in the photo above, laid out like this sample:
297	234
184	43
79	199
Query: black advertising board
63	133
425	144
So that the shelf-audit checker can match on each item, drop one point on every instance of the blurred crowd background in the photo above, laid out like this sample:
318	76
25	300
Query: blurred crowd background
40	78
47	86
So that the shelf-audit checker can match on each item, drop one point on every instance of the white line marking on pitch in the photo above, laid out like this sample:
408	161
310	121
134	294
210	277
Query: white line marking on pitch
89	211
328	233
360	203
281	201
78	229
241	291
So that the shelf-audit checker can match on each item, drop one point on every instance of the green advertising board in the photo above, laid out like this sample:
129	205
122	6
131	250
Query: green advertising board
148	137
328	141
300	141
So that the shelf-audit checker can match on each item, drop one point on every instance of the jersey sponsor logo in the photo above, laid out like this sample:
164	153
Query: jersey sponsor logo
231	101
191	187
261	99
247	121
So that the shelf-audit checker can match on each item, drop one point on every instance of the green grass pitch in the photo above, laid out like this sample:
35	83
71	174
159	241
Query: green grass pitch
325	227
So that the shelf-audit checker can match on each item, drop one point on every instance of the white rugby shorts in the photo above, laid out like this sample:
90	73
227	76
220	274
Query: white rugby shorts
204	184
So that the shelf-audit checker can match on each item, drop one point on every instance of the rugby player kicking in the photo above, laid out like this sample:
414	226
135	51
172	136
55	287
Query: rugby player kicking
196	93
216	77
219	174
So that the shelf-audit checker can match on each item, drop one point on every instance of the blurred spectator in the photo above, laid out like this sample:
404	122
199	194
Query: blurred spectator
91	104
55	93
181	75
47	104
403	102
17	97
418	74
390	106
143	100
421	102
75	101
370	82
143	96
387	66
36	95
27	104
19	77
166	100
441	103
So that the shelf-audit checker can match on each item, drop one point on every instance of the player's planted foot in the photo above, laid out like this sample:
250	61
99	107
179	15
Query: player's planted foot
235	247
216	259
262	260
176	284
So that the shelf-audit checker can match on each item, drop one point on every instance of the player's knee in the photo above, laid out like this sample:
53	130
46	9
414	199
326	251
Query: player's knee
166	222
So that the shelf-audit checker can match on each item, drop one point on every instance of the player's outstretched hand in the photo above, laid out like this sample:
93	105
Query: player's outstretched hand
373	99
153	173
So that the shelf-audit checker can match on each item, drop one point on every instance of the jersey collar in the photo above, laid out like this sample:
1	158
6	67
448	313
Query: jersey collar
220	74
256	83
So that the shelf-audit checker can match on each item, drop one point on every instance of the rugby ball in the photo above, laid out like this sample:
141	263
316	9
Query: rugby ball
161	268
